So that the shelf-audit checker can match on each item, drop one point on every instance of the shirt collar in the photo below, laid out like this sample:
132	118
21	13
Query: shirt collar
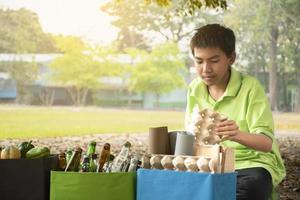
234	83
232	88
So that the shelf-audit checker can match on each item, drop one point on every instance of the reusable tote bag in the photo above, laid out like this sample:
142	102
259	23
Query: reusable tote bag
89	185
170	185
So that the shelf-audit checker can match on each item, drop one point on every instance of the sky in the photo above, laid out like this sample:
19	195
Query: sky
70	17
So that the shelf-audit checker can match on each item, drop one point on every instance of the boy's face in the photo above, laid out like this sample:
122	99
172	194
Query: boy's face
212	65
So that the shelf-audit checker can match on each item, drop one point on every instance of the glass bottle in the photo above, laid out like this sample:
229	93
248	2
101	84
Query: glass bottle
104	157
121	159
93	163
85	165
68	155
91	149
62	161
133	164
74	161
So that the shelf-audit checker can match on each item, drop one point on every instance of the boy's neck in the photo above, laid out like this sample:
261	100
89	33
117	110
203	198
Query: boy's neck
217	91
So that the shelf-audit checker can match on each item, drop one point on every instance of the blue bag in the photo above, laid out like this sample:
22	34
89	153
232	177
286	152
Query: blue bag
172	185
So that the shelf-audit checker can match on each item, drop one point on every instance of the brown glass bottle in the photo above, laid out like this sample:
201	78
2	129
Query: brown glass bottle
62	163
73	164
104	157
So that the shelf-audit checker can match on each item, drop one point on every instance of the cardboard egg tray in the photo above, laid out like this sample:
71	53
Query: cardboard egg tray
211	158
205	123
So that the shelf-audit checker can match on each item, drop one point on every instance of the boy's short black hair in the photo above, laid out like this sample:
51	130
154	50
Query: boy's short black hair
214	35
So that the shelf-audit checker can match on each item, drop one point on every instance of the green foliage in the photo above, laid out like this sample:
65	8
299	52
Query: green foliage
73	67
145	23
107	59
80	67
158	72
24	73
252	28
254	23
21	32
189	7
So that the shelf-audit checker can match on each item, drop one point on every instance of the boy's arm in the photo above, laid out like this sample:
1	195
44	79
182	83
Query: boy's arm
259	121
230	131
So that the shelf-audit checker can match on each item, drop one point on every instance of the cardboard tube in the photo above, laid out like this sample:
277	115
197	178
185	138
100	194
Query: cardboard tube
159	140
172	138
184	144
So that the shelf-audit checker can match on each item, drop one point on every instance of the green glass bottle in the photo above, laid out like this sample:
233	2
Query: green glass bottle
91	149
93	163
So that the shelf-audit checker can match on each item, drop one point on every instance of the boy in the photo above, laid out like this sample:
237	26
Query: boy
249	127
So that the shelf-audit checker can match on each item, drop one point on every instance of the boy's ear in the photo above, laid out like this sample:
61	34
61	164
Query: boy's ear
232	58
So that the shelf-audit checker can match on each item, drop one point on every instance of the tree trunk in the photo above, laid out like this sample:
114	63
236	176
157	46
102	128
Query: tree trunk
20	93
129	101
84	95
71	90
78	94
273	64
285	105
47	96
143	100
297	107
157	101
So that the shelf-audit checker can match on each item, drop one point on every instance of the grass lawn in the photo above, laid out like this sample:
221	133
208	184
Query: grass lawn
32	122
22	122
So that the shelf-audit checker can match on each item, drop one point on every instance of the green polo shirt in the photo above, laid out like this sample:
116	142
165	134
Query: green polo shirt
245	102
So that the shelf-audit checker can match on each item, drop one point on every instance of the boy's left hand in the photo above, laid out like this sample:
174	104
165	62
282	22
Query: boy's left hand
227	129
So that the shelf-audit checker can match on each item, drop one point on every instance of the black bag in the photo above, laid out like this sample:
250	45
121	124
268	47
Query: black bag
26	179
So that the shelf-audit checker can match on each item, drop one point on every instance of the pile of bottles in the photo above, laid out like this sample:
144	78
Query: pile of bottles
74	160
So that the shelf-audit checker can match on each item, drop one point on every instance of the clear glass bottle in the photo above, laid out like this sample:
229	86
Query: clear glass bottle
121	159
133	163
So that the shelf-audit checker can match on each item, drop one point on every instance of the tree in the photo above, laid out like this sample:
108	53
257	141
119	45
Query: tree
262	35
74	70
158	72
153	21
188	7
21	32
23	73
289	44
80	67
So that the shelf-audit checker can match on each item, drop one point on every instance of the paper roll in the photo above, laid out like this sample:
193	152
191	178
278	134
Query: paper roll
184	144
159	140
172	138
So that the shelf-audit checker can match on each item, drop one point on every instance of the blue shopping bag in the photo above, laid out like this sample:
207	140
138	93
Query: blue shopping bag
172	185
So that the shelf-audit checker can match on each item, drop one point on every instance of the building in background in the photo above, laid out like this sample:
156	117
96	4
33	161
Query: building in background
113	93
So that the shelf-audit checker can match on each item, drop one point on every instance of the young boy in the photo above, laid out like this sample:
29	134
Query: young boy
249	127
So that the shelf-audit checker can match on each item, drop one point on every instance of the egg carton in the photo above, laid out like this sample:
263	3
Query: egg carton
203	124
220	161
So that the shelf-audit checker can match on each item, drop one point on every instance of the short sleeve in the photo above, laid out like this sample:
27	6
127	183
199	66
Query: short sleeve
259	114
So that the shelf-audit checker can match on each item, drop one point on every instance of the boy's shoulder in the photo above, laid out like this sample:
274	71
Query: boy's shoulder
195	82
249	80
